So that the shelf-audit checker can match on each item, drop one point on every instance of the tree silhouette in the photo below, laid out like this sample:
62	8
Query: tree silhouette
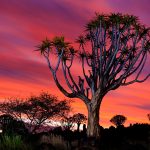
112	53
148	115
118	120
7	107
67	122
39	109
78	119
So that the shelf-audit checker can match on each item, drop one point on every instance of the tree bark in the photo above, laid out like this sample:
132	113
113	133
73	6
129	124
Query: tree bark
93	128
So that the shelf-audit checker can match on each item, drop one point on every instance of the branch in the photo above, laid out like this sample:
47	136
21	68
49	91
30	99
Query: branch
74	83
70	95
59	59
86	77
138	74
83	49
111	60
65	75
49	64
136	80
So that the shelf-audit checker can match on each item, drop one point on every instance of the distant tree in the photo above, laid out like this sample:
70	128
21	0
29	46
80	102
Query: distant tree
112	53
7	107
67	122
148	115
78	119
118	120
37	110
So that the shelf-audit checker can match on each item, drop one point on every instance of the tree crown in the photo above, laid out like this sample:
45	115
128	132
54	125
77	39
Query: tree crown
113	52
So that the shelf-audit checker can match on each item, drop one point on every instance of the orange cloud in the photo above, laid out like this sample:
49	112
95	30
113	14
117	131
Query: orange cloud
24	72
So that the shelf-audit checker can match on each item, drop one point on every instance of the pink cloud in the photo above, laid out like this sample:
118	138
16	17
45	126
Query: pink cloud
22	71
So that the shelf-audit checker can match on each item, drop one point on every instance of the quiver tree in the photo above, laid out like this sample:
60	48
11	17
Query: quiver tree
78	119
118	120
112	53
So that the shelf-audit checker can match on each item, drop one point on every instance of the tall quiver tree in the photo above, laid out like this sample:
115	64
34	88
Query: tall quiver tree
113	52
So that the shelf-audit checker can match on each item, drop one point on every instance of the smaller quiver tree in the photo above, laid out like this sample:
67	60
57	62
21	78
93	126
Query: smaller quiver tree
78	119
118	120
67	122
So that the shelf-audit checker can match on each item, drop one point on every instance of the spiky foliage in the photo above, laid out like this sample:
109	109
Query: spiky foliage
44	45
13	143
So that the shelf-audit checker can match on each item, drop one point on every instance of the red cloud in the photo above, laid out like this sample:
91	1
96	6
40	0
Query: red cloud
22	71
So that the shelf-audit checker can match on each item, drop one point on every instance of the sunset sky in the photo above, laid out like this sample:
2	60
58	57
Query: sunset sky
23	72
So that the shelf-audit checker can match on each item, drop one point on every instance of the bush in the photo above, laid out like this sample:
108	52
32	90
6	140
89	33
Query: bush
12	143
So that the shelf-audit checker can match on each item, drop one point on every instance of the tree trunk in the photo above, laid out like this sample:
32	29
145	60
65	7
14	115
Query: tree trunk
78	127
93	129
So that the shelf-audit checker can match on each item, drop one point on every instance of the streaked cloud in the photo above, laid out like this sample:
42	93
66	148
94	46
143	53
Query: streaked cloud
23	24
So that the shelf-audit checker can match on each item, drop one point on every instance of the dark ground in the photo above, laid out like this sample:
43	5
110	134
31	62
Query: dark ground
134	137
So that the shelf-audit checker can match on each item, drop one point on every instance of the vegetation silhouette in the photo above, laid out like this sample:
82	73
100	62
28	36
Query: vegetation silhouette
37	110
118	120
67	122
136	136
148	115
78	119
113	52
9	125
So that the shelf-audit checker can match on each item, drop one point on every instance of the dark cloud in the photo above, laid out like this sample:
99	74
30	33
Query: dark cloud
24	69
